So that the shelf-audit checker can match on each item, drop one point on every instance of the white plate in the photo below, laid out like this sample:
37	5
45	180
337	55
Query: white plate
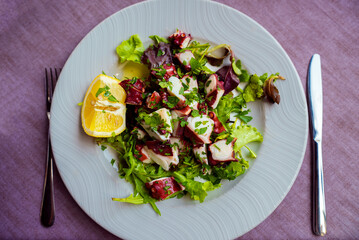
239	205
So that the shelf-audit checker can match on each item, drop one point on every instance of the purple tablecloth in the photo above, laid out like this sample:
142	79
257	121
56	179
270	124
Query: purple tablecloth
39	34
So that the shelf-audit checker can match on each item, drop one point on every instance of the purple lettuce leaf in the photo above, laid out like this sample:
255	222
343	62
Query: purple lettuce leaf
156	56
230	79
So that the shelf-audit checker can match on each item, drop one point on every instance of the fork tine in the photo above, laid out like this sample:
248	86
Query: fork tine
52	84
47	88
46	85
57	73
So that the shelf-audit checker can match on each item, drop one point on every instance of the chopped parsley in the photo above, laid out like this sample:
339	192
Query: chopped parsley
153	120
164	84
161	71
101	90
195	113
172	101
229	140
181	91
183	123
201	130
216	147
159	53
107	93
112	98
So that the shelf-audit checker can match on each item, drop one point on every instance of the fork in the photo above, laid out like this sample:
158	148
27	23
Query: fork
47	212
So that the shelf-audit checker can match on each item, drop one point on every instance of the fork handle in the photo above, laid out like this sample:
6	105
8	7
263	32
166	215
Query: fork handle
47	214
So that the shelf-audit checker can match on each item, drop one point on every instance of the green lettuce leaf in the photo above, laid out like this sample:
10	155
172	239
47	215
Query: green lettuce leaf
198	66
138	199
254	89
230	172
198	49
197	190
227	105
158	39
132	169
149	172
131	49
142	190
243	116
245	134
239	71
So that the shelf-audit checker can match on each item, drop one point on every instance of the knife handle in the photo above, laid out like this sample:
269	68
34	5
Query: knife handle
319	214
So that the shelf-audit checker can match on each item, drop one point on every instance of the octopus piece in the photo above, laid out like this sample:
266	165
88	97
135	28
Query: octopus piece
162	188
164	97
184	111
142	154
218	126
184	58
162	154
180	144
175	89
165	71
178	130
138	133
202	108
153	101
163	131
134	89
214	90
180	39
220	152
200	152
190	84
199	129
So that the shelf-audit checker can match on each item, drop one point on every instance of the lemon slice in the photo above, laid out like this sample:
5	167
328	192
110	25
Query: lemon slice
103	111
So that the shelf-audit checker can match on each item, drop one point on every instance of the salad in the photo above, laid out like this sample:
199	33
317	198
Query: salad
181	129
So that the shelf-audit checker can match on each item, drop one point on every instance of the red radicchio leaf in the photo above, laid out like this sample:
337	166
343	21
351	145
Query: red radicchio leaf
230	79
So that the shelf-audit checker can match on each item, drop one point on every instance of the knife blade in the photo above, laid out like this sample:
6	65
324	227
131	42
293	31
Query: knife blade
315	94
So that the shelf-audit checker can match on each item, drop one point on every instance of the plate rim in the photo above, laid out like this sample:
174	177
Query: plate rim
301	91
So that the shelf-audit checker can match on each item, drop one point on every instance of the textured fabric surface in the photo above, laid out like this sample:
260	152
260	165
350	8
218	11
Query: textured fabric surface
39	34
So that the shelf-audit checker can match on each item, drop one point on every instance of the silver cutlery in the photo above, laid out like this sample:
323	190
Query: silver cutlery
47	212
315	94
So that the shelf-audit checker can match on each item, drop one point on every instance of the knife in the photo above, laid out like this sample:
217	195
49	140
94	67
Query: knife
315	94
